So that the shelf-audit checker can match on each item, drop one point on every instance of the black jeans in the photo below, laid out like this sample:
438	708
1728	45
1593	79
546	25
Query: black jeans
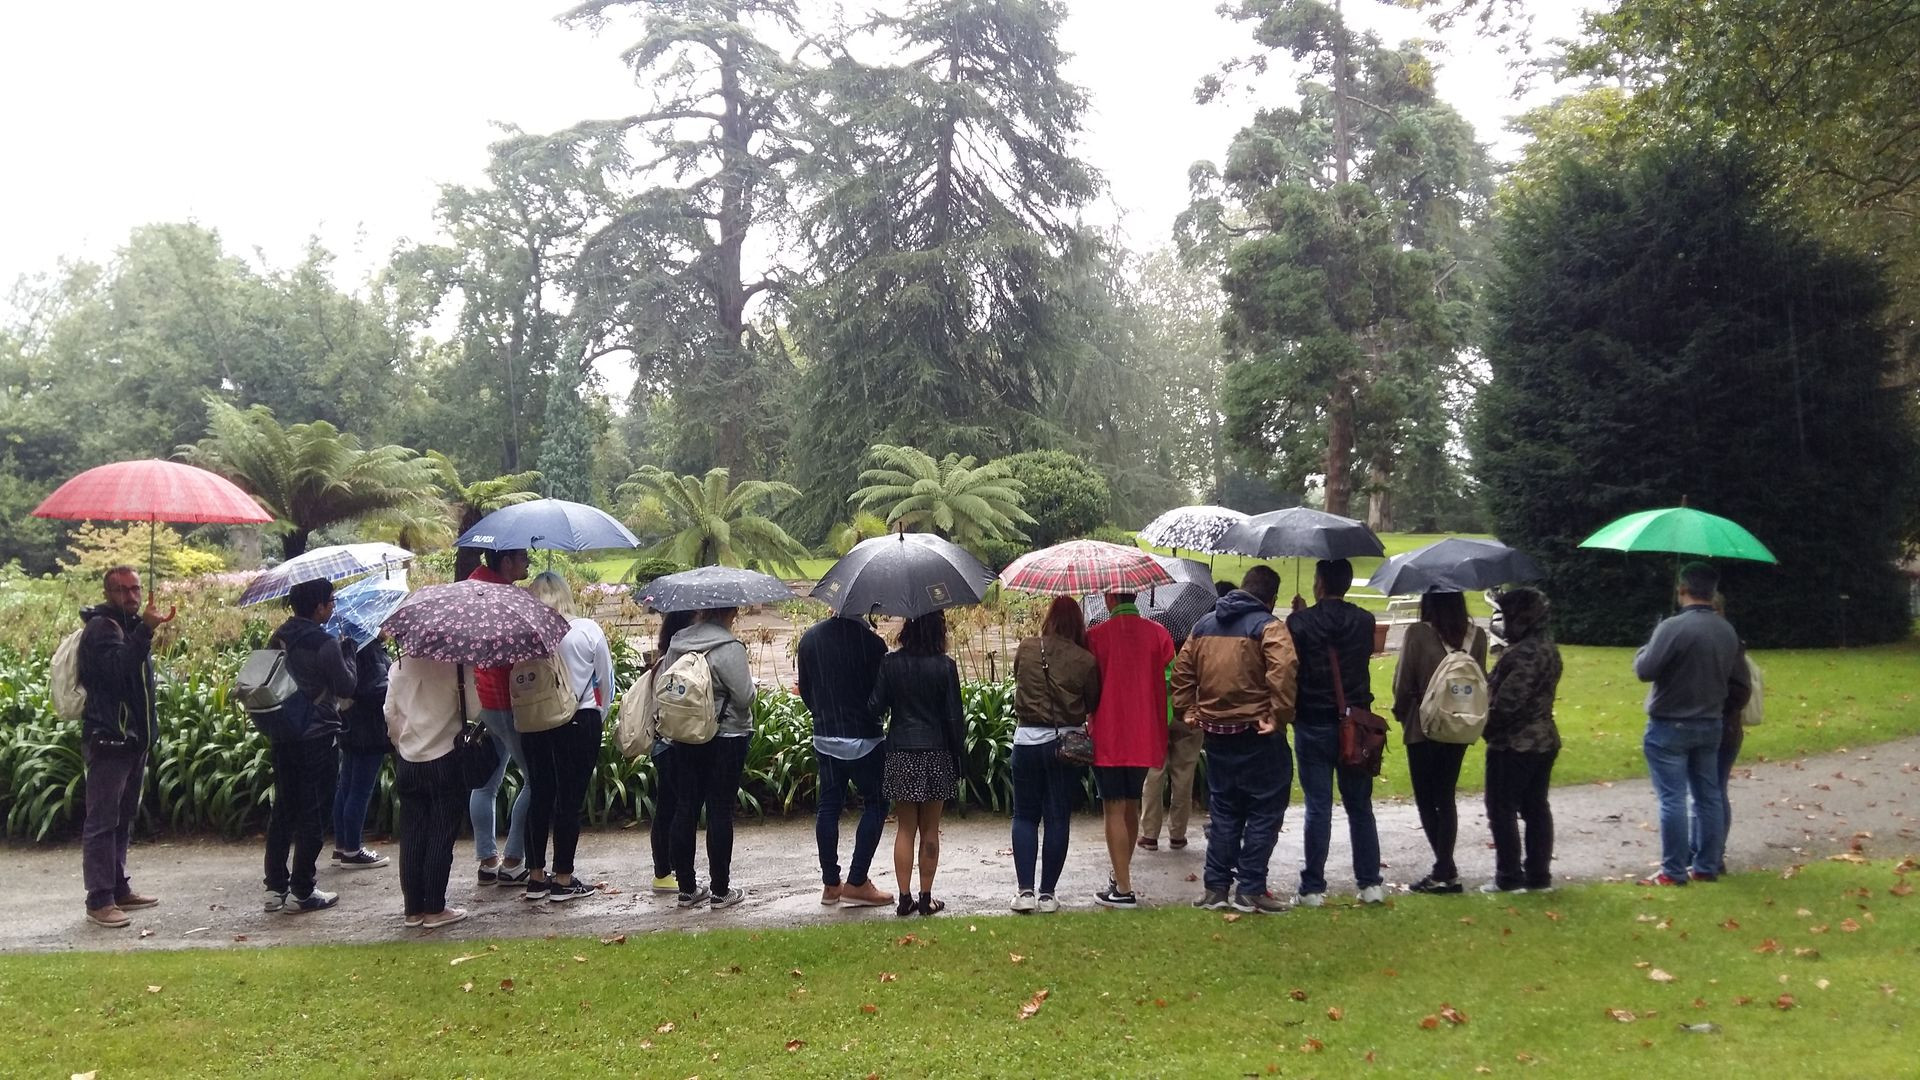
115	776
865	774
665	792
707	776
433	807
1249	780
1434	769
304	772
1517	785
560	765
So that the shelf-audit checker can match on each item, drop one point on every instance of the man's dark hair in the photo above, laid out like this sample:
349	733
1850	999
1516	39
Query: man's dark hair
116	571
925	635
307	597
1699	581
1222	588
1263	583
1119	598
1334	575
495	558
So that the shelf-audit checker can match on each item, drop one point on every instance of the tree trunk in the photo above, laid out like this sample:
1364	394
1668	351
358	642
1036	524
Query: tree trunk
729	291
1342	88
1339	462
294	543
1380	495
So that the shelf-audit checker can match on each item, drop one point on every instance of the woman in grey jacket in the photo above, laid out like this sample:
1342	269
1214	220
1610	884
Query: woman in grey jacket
918	694
708	774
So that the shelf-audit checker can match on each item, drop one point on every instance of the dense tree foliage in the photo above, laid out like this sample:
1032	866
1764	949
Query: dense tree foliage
1666	329
1065	497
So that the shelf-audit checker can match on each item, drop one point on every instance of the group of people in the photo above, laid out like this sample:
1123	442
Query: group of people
1123	697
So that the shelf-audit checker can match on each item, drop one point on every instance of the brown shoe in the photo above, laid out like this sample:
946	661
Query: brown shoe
864	895
109	916
134	900
1149	843
1178	842
830	895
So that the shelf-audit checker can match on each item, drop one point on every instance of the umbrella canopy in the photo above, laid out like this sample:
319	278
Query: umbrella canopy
550	525
1191	528
1680	530
478	623
707	587
1454	565
1300	532
906	574
1079	567
360	609
152	490
1177	606
335	563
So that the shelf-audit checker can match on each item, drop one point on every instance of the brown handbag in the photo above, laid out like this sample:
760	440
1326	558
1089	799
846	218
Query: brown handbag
1363	733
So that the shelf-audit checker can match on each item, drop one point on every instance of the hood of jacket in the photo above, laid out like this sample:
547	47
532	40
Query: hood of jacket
1238	612
1523	624
701	636
110	611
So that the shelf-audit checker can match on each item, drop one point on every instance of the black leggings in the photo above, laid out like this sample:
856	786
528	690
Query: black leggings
706	775
1517	783
433	808
560	765
1434	768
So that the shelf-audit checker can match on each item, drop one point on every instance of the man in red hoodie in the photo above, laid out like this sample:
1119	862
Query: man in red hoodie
496	714
1129	730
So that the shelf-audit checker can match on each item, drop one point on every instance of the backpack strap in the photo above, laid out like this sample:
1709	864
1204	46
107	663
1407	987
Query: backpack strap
1339	690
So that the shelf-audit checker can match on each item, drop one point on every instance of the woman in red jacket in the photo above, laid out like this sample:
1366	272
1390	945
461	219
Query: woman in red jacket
1129	730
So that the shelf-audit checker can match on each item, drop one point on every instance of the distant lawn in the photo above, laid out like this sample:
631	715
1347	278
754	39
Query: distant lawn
1812	976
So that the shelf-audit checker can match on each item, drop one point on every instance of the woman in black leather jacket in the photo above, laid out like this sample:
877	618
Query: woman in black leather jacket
918	695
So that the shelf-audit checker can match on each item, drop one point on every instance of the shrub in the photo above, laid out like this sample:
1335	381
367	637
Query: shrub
1065	495
1112	534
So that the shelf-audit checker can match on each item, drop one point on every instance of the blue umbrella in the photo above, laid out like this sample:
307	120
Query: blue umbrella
361	608
550	525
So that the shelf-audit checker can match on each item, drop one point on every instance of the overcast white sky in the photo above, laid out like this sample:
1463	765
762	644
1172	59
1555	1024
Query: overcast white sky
274	121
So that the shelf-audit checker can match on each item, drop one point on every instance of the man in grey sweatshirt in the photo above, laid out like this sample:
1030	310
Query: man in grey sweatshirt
1691	660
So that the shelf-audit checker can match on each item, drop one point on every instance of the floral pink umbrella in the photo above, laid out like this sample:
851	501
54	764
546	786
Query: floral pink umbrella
476	622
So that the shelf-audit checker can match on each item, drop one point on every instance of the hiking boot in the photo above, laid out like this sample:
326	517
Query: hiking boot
573	890
700	895
360	860
664	884
133	900
1045	904
730	898
1660	879
1310	899
1025	904
1496	887
445	918
110	916
316	900
1433	886
537	890
865	894
1263	902
1373	894
1112	897
275	901
1212	900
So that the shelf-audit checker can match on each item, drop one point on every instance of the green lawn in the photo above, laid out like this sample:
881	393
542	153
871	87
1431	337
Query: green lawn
1804	977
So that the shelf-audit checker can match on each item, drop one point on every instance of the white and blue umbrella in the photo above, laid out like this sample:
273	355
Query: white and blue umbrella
361	608
1191	528
335	563
548	525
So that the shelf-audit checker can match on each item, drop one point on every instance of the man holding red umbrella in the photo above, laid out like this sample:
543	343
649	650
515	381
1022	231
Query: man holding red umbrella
118	728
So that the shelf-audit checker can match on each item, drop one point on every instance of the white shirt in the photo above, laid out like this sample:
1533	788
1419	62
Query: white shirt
589	664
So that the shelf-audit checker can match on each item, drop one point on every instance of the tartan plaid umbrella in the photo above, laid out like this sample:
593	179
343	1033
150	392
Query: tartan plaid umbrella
335	563
1079	567
476	622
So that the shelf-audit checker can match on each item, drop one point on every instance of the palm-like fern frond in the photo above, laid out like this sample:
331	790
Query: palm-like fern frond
953	496
708	520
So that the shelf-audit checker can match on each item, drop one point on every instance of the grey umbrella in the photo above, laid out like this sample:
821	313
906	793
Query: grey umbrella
1454	565
707	587
905	574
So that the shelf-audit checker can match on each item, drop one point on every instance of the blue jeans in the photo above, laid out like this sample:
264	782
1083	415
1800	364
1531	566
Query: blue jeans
352	793
1683	758
1043	790
865	774
481	803
1318	747
1730	741
1249	779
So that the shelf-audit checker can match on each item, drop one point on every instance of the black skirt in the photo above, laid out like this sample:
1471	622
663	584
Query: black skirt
919	776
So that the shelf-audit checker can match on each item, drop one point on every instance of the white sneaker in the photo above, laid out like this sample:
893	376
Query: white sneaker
1373	894
1025	904
1490	887
1310	899
452	915
1047	904
275	901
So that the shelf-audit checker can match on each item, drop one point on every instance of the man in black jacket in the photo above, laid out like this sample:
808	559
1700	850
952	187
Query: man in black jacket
839	659
304	769
115	667
1333	625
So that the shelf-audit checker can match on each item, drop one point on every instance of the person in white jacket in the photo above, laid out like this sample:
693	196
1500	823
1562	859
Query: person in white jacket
424	714
560	760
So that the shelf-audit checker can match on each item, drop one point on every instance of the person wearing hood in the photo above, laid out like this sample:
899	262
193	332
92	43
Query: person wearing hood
1235	681
1522	743
117	730
304	769
708	774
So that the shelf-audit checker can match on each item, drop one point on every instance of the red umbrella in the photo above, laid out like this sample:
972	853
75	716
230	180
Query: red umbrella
152	491
1080	567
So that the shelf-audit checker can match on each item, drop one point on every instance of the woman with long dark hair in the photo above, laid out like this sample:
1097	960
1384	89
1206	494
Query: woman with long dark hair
1056	686
917	693
1434	767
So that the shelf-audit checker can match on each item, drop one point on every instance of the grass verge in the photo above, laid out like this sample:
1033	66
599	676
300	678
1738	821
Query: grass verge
1812	975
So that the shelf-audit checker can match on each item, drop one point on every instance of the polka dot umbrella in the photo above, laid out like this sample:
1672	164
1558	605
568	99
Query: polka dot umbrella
476	622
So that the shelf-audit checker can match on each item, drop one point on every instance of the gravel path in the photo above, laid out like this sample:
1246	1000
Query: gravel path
1785	813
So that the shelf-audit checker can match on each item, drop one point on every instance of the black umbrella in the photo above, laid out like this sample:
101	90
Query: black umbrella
1303	533
905	574
1454	565
707	587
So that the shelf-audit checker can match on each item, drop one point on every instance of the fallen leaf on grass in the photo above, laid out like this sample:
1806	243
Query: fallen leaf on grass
1297	994
1033	1004
1847	856
1790	872
1428	1023
1555	916
1643	964
578	959
869	1008
1312	1046
1821	984
1821	929
1743	999
1466	920
794	1044
506	984
664	1029
1804	913
1482	1070
1848	926
1646	918
617	939
1452	1015
1730	924
1016	958
1624	1016
1807	954
458	960
730	969
1660	976
1767	946
1699	1003
467	987
797	973
1784	1002
1231	916
1523	1057
1334	1012
888	976
145	933
646	1044
1902	889
910	939
89	1075
153	989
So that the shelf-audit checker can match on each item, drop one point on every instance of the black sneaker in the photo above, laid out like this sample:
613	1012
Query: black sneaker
1435	887
489	875
560	894
1260	902
512	875
1212	900
1112	897
313	901
360	860
729	898
537	890
700	895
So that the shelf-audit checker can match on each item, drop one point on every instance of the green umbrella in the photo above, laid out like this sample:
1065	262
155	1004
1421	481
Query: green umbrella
1680	530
